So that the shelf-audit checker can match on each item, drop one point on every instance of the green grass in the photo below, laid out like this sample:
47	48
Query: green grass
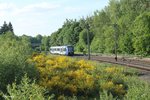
137	89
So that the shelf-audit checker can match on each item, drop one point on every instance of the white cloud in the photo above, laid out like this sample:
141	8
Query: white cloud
73	9
42	16
34	17
1	14
36	8
12	9
6	6
6	9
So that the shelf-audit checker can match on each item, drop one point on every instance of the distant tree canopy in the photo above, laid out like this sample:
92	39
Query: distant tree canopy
74	33
6	27
132	18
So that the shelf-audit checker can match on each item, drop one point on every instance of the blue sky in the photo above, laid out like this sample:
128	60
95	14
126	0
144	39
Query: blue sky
32	17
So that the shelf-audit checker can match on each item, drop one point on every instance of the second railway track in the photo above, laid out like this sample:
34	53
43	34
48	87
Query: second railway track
134	63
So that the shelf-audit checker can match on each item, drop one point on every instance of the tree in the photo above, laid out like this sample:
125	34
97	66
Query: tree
38	38
10	27
45	43
126	43
4	28
120	12
141	31
100	21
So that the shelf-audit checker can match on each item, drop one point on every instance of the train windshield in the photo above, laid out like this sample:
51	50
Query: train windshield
70	48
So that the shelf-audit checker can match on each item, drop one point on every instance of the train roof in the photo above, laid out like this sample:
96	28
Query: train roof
61	46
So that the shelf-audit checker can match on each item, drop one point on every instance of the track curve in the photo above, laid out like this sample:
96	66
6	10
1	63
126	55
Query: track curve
129	62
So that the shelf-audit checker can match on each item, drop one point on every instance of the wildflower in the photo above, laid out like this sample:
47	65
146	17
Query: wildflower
50	62
108	85
119	89
112	70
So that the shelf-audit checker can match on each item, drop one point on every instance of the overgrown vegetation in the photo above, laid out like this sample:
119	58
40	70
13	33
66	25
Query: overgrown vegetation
67	77
13	55
26	90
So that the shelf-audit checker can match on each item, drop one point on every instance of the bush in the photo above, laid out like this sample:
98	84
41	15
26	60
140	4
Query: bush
65	76
70	78
14	53
27	90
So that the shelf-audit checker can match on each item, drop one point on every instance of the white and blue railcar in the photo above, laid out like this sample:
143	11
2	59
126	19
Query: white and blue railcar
63	50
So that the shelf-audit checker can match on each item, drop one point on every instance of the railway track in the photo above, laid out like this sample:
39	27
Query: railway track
133	63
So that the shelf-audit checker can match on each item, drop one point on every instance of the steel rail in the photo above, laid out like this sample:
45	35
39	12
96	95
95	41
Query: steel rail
142	67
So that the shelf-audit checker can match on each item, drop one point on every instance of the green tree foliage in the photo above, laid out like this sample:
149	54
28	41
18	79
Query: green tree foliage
126	43
74	33
45	43
5	28
39	38
10	27
35	42
14	53
100	24
67	35
54	38
82	40
141	31
123	13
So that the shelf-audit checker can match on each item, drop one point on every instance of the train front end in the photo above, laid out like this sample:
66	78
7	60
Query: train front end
70	50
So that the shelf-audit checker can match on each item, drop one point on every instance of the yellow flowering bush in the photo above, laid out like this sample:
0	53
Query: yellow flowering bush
112	81
116	89
113	70
108	85
66	76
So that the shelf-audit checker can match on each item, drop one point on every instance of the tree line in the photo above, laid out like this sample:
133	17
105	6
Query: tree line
128	20
6	27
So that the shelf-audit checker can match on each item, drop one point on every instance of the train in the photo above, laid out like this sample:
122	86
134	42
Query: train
62	50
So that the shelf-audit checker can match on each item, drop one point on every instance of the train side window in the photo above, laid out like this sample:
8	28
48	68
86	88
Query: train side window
61	49
64	49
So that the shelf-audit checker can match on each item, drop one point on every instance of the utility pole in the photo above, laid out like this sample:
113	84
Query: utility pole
88	38
88	43
116	40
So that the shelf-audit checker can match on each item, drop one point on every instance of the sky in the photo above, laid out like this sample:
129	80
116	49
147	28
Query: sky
33	17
